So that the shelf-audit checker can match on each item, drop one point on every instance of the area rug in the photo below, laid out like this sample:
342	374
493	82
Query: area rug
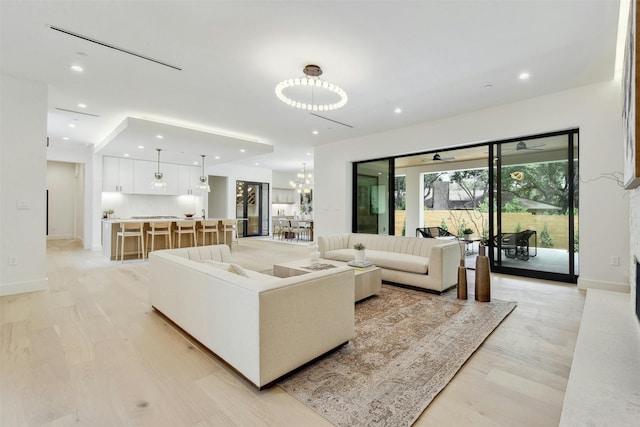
408	346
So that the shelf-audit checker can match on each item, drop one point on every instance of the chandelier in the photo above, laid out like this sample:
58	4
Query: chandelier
312	81
203	185
158	183
304	183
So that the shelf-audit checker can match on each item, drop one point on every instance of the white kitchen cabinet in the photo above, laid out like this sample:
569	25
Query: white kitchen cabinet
144	174
117	174
188	177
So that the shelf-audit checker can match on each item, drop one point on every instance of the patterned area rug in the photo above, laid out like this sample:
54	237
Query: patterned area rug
408	346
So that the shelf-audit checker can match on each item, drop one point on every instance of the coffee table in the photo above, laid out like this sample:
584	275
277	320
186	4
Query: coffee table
367	282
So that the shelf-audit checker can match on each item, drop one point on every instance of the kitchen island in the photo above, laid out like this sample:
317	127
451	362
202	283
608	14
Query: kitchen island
111	226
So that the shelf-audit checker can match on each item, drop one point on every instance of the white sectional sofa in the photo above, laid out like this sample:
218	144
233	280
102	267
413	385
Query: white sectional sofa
262	326
430	264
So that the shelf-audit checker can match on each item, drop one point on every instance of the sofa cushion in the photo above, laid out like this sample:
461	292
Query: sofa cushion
395	261
389	260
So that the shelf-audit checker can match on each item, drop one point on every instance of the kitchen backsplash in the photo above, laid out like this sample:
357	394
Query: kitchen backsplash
128	205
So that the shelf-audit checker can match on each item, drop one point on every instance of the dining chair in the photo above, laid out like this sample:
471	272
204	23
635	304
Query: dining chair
285	226
159	229
277	229
187	227
130	229
297	229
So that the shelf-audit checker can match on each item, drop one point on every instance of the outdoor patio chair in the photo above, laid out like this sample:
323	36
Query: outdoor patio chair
432	232
517	245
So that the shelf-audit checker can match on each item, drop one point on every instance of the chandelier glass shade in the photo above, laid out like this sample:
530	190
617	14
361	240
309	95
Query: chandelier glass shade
203	184
158	183
304	184
311	80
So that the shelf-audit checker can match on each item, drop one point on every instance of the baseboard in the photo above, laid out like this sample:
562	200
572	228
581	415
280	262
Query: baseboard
605	286
24	287
61	237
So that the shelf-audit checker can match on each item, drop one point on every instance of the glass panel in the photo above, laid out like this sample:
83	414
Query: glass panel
252	209
371	201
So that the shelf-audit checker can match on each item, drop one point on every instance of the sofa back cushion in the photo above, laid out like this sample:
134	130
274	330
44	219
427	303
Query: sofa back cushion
398	244
220	253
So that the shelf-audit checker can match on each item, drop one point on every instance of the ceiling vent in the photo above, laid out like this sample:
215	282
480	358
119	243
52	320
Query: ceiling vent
110	46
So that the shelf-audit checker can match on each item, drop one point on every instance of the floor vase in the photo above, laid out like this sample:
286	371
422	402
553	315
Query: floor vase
483	277
462	281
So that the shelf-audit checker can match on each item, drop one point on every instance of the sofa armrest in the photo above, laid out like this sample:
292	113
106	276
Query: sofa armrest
444	260
333	242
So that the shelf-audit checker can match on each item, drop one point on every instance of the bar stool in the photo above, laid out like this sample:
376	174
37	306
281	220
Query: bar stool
231	226
208	226
158	229
130	229
186	227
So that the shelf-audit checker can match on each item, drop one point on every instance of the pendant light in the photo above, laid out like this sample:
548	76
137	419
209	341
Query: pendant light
158	183
304	183
203	185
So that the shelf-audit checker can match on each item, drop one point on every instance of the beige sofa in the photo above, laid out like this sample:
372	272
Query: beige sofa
262	326
430	264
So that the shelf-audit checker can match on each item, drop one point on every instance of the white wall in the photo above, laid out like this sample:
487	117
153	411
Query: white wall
23	180
594	109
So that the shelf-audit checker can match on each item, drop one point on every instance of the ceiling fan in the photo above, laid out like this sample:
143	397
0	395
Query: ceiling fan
523	146
438	158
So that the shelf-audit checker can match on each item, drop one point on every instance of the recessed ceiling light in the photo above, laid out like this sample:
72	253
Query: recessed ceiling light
77	68
141	146
242	150
217	157
126	154
66	138
257	164
195	163
308	154
315	132
159	136
524	76
81	105
398	110
71	125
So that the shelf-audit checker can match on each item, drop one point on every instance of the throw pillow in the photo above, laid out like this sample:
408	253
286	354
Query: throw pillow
235	268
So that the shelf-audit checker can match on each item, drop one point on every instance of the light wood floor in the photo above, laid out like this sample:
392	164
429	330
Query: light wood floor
91	352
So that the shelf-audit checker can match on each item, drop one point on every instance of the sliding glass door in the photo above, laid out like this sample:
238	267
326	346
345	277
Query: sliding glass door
535	184
519	196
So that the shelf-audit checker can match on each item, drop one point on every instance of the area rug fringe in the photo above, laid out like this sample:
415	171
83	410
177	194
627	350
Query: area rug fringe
408	346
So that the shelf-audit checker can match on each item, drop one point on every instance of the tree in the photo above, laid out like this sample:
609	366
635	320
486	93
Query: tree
541	182
473	182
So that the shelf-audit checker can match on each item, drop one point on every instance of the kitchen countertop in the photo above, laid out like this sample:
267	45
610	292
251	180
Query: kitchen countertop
148	219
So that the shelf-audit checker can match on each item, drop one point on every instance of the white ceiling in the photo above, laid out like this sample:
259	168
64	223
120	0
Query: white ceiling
430	58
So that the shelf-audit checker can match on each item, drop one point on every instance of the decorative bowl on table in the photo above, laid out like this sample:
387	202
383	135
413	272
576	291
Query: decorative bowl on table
189	216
